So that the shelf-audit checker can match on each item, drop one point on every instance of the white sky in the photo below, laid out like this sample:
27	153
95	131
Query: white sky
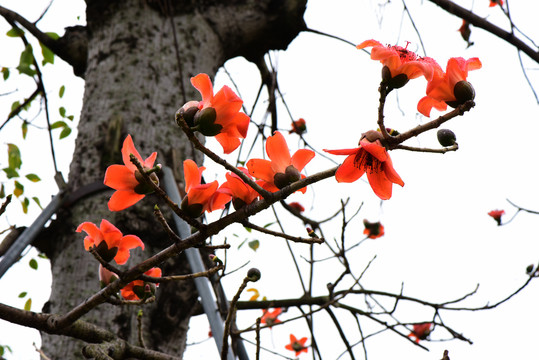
439	240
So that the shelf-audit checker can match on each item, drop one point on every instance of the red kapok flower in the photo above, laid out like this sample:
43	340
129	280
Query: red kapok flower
495	2
109	242
270	317
373	230
497	215
140	290
297	345
123	178
242	194
400	64
299	126
371	158
200	197
296	205
219	114
420	331
282	169
449	88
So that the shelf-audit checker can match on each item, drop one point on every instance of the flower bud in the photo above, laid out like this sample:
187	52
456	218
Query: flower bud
529	269
205	121
446	137
254	274
187	113
106	276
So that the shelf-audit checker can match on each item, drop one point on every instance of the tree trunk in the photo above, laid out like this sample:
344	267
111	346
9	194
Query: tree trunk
137	76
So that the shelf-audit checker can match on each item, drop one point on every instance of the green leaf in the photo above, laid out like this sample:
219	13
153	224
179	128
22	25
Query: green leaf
5	73
269	224
248	229
61	91
58	124
15	105
2	192
28	305
37	202
255	244
53	35
65	132
33	264
11	173
25	204
33	177
70	117
14	156
24	128
23	294
19	189
15	32
27	61
42	256
48	55
62	111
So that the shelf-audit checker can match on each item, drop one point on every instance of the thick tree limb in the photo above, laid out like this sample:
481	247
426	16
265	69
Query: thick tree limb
480	22
72	47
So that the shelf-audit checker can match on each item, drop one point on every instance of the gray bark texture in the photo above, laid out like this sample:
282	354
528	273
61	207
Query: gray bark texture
134	86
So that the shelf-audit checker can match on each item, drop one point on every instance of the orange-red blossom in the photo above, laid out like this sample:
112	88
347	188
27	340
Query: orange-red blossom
373	230
420	331
400	64
270	318
297	345
449	87
138	289
125	178
282	169
370	157
218	113
200	197
241	193
109	242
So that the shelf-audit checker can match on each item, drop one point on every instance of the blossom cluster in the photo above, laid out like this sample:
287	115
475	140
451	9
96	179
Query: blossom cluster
449	87
219	115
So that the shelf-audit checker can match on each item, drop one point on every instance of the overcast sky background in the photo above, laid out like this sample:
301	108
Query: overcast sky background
439	240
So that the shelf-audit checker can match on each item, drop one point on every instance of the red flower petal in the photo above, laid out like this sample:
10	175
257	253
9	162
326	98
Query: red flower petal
122	199
301	158
120	177
348	172
203	84
261	169
278	152
192	174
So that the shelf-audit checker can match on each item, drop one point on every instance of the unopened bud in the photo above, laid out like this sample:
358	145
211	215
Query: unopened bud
254	274
446	137
187	113
529	269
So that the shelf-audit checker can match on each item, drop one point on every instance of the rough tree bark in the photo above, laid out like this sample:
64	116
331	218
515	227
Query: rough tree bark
134	86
